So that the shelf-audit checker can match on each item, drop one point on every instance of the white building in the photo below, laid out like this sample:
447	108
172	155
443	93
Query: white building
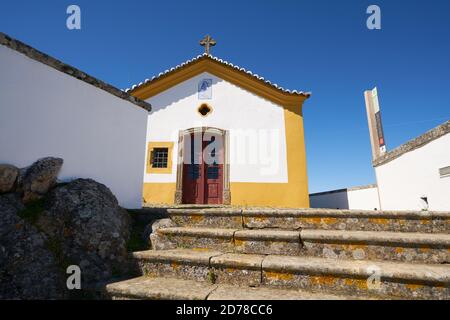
416	175
257	126
362	198
48	108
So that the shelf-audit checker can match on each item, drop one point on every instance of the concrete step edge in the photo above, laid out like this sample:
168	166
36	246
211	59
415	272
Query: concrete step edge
429	273
146	288
387	238
178	289
207	258
376	237
309	213
204	232
206	212
396	271
195	256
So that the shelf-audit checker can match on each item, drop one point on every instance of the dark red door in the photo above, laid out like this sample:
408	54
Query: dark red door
193	185
203	169
213	166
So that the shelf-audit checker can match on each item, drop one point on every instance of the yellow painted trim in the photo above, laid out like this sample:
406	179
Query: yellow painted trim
264	195
159	193
227	73
153	145
296	155
293	194
243	194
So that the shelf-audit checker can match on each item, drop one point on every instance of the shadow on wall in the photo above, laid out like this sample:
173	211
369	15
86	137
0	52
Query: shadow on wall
337	199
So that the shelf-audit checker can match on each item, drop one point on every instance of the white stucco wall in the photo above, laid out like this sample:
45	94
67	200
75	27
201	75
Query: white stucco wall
234	109
363	199
44	112
352	198
403	181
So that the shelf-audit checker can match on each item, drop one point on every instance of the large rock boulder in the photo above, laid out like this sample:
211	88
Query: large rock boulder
28	269
8	176
39	178
84	217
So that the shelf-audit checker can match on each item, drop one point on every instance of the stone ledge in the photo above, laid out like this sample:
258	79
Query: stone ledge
396	271
145	288
160	289
237	234
398	280
312	265
376	238
234	260
336	213
200	232
374	245
178	255
309	212
206	212
411	145
268	235
228	292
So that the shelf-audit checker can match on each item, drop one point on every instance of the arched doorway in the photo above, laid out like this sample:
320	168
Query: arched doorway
203	167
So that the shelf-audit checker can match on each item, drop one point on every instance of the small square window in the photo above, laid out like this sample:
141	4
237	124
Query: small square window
160	157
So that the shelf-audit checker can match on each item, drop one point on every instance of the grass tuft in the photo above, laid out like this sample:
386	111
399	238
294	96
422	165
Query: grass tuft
136	242
33	210
212	278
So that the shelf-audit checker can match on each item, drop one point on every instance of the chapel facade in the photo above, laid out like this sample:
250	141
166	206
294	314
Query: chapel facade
219	134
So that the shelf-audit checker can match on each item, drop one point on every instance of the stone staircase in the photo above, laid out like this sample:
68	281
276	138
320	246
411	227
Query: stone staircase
257	254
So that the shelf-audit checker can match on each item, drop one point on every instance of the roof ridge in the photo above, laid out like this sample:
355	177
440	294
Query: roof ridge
223	62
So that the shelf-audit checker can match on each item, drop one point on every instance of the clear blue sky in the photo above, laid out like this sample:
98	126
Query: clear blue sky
312	45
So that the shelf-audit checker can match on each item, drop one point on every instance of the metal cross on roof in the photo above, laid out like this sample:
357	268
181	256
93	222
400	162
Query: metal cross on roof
207	42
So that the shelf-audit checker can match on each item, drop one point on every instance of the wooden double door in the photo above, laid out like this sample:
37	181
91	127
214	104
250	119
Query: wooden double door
203	168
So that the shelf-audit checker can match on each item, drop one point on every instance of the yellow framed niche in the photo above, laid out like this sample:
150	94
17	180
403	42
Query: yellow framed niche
159	157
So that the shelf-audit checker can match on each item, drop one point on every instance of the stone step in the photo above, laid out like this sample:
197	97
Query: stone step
228	240
211	217
396	246
147	288
229	292
382	278
185	237
208	218
328	219
349	277
372	245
